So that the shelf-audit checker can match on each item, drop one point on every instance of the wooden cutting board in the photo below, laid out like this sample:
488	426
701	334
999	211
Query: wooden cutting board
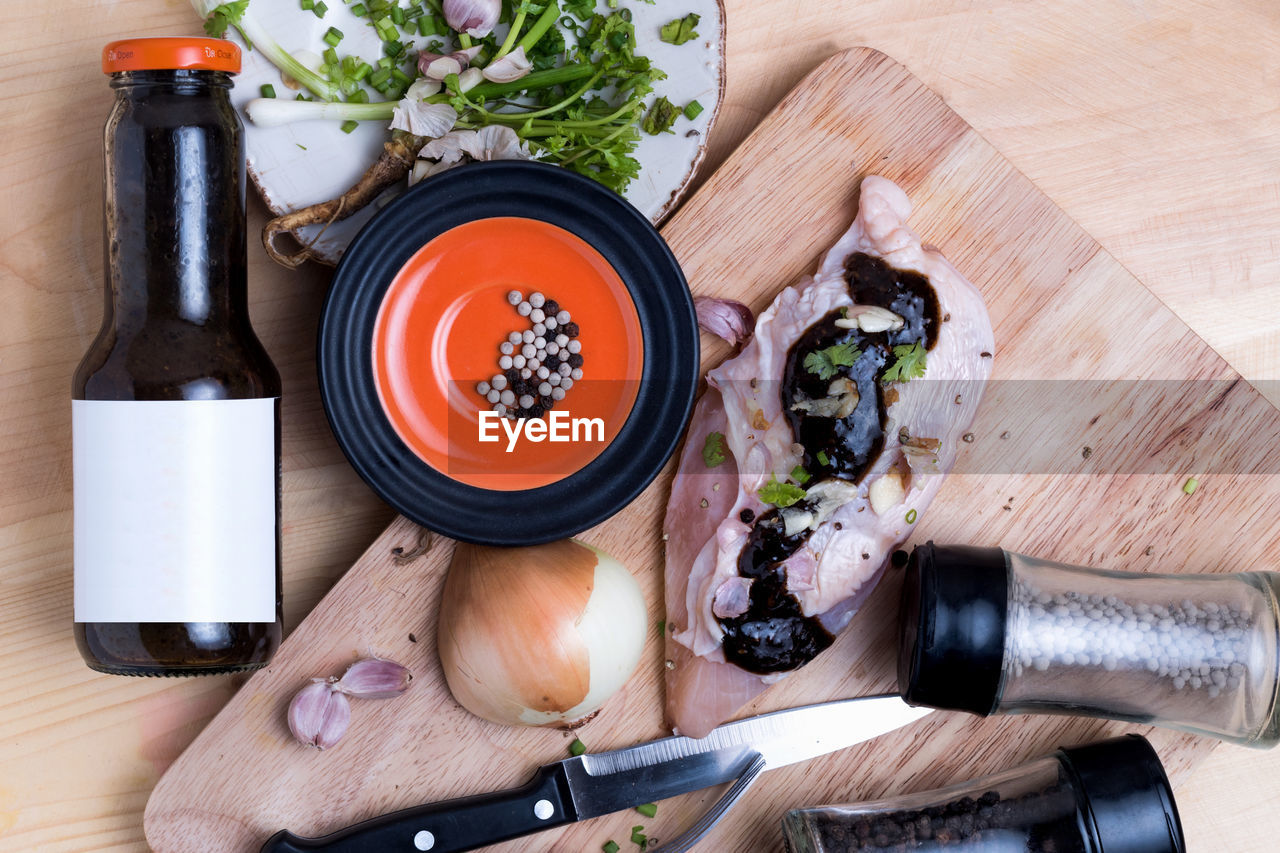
1062	308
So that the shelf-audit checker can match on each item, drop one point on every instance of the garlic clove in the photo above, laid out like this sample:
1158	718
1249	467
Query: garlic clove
469	79
374	678
319	715
474	17
511	67
886	492
724	318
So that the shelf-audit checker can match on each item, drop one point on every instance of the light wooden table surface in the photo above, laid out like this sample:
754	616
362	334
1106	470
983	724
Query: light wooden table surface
1154	123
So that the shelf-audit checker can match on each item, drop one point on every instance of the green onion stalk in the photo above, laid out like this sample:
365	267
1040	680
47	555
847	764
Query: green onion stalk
218	16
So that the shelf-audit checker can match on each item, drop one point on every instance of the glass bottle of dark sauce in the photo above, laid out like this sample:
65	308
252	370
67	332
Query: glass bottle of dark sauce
176	405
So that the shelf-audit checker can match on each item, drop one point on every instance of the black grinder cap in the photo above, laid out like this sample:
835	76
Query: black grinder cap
951	649
1124	796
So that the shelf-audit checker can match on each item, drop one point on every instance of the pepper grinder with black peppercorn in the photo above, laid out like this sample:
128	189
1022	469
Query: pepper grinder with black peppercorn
176	405
1108	797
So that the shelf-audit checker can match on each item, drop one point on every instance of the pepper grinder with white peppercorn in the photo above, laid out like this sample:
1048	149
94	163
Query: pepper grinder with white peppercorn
993	632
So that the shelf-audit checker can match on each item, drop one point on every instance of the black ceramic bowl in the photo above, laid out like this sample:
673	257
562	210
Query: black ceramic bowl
348	359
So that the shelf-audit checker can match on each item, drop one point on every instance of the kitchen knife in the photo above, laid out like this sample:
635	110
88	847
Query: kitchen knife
596	784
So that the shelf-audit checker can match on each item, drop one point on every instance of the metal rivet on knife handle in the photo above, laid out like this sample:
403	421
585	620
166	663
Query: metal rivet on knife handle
424	840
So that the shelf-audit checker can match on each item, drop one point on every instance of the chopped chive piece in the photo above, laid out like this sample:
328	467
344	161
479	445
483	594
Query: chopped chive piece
648	809
320	9
348	87
331	58
800	475
823	460
301	97
692	110
359	96
397	15
349	125
307	5
300	145
359	10
333	36
393	49
362	71
577	748
380	77
386	29
400	77
911	517
662	627
1190	486
428	26
268	91
638	837
610	846
385	63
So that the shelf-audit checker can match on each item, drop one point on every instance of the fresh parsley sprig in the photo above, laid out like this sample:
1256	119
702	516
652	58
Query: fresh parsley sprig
910	363
781	494
824	363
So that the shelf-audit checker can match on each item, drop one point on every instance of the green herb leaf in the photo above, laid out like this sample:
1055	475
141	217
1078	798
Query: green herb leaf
648	809
713	449
577	748
823	363
224	15
779	494
661	116
910	363
680	30
800	475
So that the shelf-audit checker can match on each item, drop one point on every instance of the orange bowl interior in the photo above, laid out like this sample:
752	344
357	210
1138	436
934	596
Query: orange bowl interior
438	331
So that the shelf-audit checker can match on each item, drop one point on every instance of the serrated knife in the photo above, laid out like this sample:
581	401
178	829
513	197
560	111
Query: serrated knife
597	784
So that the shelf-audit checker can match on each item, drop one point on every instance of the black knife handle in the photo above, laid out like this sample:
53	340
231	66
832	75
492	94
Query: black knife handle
451	826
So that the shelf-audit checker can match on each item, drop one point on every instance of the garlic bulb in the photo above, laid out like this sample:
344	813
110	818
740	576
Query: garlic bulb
541	635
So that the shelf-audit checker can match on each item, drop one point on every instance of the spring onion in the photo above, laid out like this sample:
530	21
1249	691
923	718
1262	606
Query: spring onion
218	16
268	91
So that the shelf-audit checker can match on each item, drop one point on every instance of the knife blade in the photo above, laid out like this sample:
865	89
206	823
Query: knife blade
596	784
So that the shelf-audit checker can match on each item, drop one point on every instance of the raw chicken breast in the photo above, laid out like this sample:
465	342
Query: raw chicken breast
827	463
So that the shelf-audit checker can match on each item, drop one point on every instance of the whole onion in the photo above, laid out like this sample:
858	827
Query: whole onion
541	635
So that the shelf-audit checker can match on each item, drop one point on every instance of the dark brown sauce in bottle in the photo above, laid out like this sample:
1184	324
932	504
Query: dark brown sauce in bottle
176	323
774	635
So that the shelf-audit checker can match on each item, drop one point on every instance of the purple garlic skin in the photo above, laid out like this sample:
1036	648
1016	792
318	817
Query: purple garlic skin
724	318
374	678
473	17
319	715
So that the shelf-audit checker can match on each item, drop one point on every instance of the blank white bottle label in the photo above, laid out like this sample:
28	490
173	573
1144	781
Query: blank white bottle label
175	510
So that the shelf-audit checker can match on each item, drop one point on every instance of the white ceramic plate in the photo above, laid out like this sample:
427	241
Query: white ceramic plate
296	165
